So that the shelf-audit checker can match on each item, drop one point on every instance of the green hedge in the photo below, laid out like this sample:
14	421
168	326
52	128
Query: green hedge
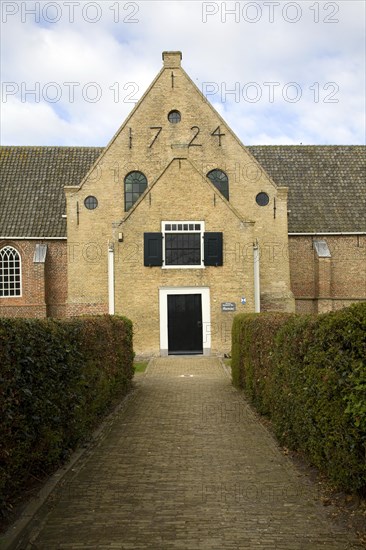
57	378
308	374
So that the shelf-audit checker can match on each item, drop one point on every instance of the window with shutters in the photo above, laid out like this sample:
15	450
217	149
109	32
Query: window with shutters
183	244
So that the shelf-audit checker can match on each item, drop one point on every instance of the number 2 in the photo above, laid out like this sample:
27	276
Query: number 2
191	144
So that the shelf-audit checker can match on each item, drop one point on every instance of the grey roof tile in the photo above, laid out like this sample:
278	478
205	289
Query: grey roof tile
327	186
32	198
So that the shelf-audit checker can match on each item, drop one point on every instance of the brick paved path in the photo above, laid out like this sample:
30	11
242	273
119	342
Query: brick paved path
184	464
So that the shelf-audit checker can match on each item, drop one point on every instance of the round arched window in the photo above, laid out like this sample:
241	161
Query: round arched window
174	117
135	185
262	199
91	202
10	273
220	181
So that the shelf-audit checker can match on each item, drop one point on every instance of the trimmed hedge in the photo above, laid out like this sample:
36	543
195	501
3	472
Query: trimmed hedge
308	374
57	378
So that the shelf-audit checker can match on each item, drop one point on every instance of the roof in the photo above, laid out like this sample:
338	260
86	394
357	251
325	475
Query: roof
327	186
32	198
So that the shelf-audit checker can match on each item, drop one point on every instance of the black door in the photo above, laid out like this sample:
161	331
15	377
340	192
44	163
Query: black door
184	324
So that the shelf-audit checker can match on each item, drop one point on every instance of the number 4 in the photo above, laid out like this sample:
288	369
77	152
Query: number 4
218	134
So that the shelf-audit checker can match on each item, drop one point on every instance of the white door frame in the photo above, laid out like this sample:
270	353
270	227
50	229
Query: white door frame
164	292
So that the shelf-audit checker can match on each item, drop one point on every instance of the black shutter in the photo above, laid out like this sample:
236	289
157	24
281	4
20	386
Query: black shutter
153	251
213	249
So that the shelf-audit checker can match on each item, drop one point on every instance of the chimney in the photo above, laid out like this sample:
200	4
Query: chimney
172	59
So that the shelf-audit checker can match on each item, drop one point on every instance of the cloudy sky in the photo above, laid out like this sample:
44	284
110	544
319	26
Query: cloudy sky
278	72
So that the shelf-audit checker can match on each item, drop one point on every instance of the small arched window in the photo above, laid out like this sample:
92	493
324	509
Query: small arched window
135	185
220	181
10	273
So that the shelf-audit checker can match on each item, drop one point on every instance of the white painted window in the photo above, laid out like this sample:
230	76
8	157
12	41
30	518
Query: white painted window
183	244
10	273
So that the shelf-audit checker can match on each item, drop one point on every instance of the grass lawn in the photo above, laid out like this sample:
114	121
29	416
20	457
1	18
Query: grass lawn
140	366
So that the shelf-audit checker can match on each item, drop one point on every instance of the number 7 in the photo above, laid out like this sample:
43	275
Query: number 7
159	129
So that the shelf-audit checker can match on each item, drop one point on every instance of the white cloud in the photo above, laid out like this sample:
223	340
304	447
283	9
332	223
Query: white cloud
32	119
125	56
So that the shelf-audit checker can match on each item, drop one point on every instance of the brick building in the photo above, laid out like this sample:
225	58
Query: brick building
177	225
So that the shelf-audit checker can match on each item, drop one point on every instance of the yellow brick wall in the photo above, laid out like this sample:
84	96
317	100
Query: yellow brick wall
176	191
137	287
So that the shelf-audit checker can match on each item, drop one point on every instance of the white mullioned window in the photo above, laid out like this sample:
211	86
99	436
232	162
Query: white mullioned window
183	245
10	273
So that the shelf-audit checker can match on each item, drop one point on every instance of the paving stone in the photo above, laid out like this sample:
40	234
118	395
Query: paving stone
185	465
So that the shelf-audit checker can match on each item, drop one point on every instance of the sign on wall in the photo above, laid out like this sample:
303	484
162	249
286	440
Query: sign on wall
228	306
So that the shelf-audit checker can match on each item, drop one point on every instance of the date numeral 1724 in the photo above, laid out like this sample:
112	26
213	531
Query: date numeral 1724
193	142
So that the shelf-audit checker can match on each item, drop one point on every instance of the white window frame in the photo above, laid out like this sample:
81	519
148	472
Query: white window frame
182	222
14	250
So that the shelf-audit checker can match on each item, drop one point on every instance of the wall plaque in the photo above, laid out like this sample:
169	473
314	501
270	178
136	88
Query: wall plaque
228	306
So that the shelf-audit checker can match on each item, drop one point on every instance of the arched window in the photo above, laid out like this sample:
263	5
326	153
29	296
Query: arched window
135	185
10	273
220	181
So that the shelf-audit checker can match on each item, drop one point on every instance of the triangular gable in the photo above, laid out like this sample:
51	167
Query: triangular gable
205	181
202	99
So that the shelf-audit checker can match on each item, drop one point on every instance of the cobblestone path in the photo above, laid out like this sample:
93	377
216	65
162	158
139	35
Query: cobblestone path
185	465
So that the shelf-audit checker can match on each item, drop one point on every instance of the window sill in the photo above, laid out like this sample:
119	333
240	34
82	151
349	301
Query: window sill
183	267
